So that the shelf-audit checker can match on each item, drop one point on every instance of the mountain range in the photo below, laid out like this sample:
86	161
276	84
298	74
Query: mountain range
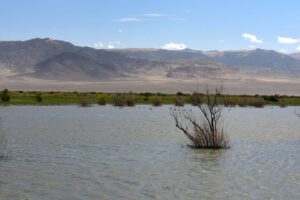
48	59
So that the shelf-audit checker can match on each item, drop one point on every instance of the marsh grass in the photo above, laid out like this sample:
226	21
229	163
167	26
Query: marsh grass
204	126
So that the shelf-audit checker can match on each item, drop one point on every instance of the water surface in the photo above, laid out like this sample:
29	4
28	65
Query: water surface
68	152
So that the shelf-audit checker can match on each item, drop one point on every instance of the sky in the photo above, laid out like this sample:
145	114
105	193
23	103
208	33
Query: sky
168	24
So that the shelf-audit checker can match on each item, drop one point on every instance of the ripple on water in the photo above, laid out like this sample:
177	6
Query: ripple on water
136	153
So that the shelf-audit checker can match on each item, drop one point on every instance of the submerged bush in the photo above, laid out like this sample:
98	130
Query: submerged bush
5	95
101	100
205	131
83	100
156	101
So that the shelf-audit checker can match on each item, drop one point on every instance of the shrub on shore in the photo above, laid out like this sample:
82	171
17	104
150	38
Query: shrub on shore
179	101
206	131
39	97
230	101
196	99
242	102
282	103
5	95
256	102
156	101
101	100
130	100
83	100
119	100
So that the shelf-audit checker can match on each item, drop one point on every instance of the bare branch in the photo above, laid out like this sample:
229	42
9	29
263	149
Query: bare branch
204	131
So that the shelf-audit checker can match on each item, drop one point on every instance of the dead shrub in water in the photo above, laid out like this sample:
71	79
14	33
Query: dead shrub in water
3	142
179	101
156	101
205	131
119	100
256	102
83	100
130	100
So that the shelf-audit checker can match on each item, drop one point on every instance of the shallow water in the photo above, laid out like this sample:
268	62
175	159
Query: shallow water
68	152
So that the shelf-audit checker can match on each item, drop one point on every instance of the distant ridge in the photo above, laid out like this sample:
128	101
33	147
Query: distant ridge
49	59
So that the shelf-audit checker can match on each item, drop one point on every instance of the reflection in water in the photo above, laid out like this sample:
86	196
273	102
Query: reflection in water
70	152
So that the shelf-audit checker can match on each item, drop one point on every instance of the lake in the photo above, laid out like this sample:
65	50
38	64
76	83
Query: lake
69	152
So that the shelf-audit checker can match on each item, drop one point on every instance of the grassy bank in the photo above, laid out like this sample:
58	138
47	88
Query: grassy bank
70	98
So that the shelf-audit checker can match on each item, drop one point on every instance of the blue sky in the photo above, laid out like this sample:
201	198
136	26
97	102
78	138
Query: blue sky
170	24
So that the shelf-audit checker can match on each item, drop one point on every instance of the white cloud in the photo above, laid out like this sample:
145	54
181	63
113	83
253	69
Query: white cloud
252	47
252	38
130	19
283	50
174	46
154	15
98	45
298	48
285	40
221	41
110	46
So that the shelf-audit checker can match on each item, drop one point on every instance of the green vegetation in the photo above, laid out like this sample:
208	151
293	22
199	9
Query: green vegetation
83	100
156	101
5	95
73	98
119	100
101	100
